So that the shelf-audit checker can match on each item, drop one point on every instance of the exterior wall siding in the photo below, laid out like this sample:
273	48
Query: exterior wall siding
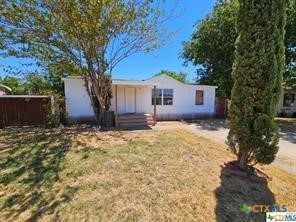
183	100
78	103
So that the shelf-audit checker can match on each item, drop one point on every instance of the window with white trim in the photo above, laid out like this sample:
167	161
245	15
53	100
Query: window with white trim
163	97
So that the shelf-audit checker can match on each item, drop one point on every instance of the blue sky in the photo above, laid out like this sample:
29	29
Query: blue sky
143	66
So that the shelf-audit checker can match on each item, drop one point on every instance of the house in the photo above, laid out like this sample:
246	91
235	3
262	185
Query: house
287	103
4	89
133	100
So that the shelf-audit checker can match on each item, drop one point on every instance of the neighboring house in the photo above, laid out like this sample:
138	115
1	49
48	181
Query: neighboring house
4	89
174	99
287	103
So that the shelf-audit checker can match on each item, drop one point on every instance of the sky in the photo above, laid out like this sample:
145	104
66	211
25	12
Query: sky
143	66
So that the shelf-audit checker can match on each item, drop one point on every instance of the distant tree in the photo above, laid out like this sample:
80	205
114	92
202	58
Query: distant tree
290	43
180	76
32	84
212	45
94	36
15	84
257	72
57	69
36	84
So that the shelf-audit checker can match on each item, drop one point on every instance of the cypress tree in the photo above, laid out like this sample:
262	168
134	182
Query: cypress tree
257	73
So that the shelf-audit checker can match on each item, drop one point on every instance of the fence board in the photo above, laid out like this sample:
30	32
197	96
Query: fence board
24	111
221	108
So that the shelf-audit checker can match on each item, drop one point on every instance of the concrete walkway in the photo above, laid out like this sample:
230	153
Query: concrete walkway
217	130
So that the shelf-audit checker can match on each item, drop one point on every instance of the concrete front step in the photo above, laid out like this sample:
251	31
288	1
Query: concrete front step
130	120
134	116
135	119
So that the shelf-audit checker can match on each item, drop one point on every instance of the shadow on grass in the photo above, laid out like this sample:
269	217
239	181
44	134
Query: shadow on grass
30	161
236	191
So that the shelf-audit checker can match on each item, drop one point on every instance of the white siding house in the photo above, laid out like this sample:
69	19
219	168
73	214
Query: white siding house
174	99
78	105
287	103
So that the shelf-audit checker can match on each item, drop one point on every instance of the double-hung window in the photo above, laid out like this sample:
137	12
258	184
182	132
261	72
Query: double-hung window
167	96
163	97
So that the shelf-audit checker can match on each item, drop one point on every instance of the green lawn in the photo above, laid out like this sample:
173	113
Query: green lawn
81	174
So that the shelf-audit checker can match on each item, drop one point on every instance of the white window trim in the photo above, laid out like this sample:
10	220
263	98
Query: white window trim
162	96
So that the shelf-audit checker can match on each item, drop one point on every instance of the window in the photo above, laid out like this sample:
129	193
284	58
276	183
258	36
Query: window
289	99
163	97
167	97
199	97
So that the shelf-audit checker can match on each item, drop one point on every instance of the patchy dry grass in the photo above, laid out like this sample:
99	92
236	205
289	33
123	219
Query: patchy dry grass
80	174
286	124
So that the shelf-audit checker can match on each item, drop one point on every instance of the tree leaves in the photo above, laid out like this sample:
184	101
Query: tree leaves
212	45
180	76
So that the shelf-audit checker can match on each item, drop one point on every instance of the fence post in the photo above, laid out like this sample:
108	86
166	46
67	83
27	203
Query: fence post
52	105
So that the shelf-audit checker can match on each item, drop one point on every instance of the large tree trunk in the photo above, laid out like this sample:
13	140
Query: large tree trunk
90	94
242	160
100	95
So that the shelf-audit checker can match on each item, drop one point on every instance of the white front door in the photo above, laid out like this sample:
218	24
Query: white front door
130	100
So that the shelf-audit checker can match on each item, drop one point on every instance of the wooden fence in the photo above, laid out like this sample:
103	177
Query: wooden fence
221	108
24	110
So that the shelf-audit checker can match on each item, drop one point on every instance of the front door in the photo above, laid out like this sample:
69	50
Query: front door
130	100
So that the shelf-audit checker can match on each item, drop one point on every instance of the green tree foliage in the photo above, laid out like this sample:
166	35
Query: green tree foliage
212	45
36	84
257	73
30	84
94	36
290	43
57	69
15	84
180	76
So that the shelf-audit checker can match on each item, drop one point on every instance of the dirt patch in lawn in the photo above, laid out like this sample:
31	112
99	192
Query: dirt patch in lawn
80	173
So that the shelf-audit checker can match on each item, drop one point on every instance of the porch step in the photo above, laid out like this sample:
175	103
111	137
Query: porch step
134	120
134	116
